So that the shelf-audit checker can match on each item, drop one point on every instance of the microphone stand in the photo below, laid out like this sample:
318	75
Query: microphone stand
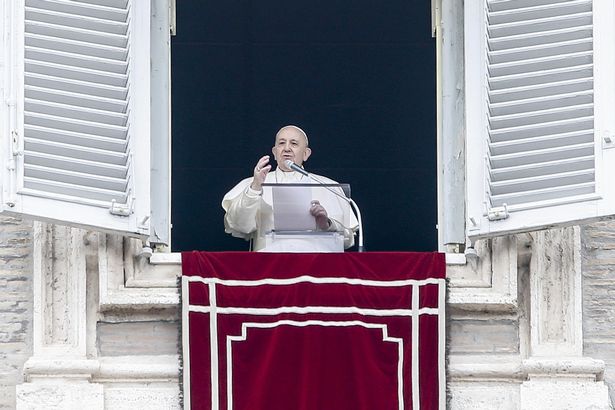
353	204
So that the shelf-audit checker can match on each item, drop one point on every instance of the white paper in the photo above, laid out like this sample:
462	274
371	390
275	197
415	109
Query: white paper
291	208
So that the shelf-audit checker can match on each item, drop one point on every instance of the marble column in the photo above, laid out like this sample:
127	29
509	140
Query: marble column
60	370
558	375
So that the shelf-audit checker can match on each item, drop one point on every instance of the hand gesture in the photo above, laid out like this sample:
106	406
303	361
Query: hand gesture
260	173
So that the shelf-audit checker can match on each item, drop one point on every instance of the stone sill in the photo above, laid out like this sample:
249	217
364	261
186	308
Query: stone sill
471	286
162	368
175	258
505	367
166	258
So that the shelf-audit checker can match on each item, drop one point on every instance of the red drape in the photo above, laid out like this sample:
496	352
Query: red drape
340	331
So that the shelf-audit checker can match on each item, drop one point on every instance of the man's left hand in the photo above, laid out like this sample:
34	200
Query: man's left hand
320	214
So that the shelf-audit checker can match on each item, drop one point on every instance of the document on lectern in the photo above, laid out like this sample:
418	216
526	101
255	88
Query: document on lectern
286	207
286	225
291	208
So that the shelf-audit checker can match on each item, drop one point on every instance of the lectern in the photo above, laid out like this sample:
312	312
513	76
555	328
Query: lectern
286	225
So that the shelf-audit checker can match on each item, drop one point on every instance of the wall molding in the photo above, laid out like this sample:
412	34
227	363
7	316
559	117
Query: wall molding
129	281
488	281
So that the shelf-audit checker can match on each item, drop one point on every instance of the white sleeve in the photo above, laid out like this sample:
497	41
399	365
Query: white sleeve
241	204
348	232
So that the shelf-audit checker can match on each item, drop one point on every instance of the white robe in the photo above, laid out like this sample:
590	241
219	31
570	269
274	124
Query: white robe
249	213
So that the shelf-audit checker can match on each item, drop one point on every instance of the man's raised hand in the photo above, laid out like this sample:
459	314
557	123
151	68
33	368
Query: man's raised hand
260	173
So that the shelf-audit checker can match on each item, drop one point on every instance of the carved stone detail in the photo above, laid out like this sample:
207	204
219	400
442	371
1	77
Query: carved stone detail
488	281
60	325
558	376
128	279
59	278
555	293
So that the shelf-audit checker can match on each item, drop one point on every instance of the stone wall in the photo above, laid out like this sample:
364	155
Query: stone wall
116	353
598	250
135	346
15	305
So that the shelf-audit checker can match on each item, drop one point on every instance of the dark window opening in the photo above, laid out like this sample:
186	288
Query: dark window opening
358	76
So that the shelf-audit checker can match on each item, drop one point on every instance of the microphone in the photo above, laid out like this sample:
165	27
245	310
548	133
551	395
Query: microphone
296	167
353	204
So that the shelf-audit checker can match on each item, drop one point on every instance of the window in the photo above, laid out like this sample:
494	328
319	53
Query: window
79	123
539	102
77	130
358	76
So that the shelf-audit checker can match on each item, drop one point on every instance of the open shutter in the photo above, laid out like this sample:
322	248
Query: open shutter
540	122
80	83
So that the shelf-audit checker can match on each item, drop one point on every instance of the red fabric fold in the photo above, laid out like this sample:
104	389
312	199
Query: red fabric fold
367	265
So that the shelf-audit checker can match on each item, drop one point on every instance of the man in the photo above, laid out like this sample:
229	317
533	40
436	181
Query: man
249	215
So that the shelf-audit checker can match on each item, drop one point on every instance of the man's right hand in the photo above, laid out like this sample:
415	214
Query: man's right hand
260	173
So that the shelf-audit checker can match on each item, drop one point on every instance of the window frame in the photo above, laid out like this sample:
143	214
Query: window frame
560	213
148	117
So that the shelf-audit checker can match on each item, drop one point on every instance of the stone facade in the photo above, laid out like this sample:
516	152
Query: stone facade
60	346
530	353
15	305
89	319
598	247
538	338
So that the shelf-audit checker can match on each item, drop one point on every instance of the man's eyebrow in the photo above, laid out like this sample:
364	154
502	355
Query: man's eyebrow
292	139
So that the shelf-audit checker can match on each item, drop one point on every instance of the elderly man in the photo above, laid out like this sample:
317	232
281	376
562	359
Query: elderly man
249	215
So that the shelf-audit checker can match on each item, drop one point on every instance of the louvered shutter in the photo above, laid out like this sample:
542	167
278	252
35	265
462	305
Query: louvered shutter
80	83
540	111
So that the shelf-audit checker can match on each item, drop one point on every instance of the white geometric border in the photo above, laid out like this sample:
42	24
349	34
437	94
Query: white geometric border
385	337
214	310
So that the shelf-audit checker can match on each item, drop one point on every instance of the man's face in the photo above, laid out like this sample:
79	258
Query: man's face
290	144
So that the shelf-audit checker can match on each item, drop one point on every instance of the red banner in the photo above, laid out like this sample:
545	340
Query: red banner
344	331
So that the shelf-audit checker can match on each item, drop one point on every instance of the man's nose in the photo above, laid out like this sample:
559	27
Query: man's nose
286	147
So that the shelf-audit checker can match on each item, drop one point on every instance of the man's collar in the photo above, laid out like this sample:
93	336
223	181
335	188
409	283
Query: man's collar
282	175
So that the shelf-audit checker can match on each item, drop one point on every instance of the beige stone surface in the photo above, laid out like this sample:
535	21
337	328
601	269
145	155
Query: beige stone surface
15	305
598	281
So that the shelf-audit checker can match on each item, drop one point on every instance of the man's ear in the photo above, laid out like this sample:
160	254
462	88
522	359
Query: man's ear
273	152
306	154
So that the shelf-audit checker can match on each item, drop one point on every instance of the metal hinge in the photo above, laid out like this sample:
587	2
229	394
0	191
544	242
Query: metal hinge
497	213
608	140
122	209
15	145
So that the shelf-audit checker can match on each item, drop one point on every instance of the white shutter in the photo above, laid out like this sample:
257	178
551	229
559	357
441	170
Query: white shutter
539	101
82	92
